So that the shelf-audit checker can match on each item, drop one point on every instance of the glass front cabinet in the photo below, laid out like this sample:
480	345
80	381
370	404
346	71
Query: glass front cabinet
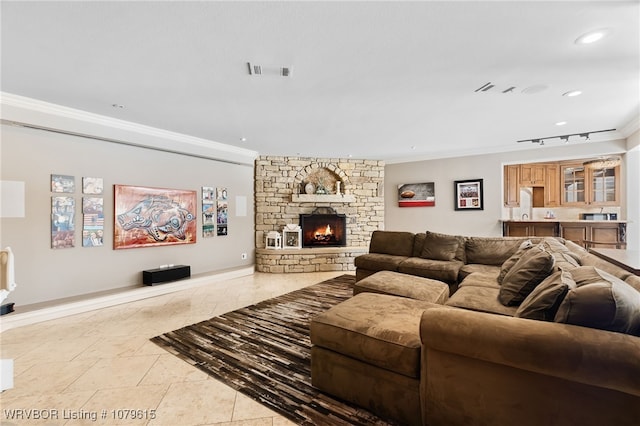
590	186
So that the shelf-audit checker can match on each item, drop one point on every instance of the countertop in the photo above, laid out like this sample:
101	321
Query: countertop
559	220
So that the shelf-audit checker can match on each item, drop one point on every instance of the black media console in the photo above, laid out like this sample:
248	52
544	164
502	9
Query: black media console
164	274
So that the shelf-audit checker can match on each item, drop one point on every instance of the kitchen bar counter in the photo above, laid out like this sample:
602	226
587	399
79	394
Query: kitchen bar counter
588	233
560	220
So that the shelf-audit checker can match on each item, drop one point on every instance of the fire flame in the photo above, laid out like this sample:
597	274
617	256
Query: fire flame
327	232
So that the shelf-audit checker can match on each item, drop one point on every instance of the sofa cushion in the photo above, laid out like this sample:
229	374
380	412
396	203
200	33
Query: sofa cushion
470	268
590	259
481	279
481	299
534	266
418	243
378	262
565	258
439	246
443	270
491	250
378	329
461	252
396	243
601	300
543	302
403	285
508	264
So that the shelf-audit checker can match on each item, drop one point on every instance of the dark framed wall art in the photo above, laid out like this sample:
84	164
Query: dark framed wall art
468	194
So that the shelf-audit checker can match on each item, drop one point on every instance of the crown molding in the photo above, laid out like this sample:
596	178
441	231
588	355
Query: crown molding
47	116
631	127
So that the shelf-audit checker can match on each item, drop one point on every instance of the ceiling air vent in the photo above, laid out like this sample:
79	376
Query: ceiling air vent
274	71
485	87
254	69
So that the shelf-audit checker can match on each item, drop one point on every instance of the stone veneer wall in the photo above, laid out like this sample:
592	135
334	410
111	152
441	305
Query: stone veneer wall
278	179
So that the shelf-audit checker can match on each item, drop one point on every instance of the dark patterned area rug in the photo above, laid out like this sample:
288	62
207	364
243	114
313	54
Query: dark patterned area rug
264	352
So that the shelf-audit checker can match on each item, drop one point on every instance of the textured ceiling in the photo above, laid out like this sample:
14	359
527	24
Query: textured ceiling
381	80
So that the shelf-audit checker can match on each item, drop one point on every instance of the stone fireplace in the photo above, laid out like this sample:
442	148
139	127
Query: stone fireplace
348	188
324	228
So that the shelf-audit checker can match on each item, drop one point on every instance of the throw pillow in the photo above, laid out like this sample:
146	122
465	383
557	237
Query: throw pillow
543	302
439	246
508	264
534	266
601	300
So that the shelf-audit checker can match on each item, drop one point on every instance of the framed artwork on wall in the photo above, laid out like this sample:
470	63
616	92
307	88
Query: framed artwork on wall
468	194
92	221
150	217
222	211
63	211
417	195
92	185
63	183
208	211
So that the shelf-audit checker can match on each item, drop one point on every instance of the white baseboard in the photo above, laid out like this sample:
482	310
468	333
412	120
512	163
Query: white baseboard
17	319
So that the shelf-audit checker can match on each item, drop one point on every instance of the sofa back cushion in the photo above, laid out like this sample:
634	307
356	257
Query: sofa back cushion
439	246
490	250
508	264
543	302
397	243
534	266
601	300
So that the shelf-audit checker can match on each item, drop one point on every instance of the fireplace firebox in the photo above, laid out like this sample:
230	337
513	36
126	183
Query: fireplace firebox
323	228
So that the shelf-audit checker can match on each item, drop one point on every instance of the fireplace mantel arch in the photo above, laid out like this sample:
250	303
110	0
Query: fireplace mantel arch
322	172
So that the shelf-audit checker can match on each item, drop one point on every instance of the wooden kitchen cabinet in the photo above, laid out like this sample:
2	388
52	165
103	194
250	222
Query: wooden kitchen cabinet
584	186
604	186
512	185
552	186
532	174
573	184
588	234
530	229
575	231
562	184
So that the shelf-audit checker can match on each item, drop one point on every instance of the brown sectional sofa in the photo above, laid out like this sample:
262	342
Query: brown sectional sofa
560	349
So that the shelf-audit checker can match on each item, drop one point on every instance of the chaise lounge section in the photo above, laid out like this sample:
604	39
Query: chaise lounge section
535	331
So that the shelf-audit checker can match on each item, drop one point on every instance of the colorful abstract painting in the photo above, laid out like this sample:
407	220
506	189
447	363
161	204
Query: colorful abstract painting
93	221
208	211
92	185
63	183
149	217
222	212
63	210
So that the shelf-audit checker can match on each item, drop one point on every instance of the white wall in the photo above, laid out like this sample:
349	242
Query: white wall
44	274
633	193
443	172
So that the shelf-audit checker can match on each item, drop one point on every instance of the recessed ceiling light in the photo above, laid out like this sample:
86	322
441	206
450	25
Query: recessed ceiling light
572	93
243	139
592	36
561	123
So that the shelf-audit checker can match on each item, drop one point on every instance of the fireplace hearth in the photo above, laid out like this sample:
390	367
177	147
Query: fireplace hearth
323	228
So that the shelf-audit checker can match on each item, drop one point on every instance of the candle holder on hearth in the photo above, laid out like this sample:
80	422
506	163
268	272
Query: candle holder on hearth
273	240
292	236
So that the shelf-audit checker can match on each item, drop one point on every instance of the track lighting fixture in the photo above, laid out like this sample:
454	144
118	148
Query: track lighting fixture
565	138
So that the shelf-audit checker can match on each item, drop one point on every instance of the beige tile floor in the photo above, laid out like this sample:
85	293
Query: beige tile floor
99	367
